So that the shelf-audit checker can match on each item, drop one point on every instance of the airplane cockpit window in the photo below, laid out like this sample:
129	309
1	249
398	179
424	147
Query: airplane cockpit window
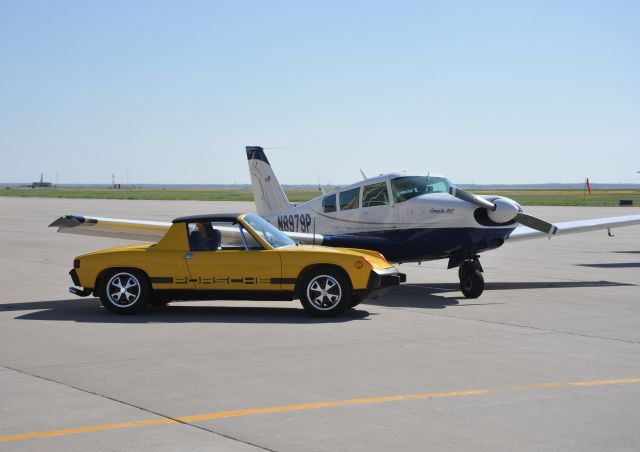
375	195
404	188
350	199
329	203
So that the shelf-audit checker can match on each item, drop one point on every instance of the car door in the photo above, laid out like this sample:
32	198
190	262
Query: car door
238	263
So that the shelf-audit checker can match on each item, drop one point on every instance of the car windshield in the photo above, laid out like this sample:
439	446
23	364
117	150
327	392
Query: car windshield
408	187
269	233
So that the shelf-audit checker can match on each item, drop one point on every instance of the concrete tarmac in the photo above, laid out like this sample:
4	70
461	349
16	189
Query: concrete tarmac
547	359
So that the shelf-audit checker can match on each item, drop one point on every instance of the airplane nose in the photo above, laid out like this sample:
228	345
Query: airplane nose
505	210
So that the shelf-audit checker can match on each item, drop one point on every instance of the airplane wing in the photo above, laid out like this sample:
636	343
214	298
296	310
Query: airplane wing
140	230
145	231
573	227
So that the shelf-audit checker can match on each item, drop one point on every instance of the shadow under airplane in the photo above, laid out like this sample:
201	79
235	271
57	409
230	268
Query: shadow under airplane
428	296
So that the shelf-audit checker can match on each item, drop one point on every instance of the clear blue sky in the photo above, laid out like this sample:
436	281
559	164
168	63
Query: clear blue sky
171	92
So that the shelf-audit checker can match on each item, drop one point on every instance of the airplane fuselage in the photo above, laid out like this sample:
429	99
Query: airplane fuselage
424	227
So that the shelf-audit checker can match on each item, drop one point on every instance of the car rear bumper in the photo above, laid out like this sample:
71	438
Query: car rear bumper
74	277
81	292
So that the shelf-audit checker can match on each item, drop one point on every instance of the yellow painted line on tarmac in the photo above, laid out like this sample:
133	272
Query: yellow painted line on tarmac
313	406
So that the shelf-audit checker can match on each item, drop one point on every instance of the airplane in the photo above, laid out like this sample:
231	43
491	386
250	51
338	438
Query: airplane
410	217
407	217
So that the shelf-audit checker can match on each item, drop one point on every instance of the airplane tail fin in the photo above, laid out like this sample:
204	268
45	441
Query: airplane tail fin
268	193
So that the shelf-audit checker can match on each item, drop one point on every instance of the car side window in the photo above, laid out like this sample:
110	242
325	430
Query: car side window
329	203
350	199
214	236
250	242
375	195
202	237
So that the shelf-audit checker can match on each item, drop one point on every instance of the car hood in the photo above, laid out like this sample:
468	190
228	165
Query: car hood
371	256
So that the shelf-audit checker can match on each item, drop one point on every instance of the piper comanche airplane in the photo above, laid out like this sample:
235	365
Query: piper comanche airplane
406	217
409	218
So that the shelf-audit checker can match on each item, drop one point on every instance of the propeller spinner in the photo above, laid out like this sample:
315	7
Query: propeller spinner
503	210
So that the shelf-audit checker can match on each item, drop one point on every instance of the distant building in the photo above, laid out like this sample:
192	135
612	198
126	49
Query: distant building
115	186
42	183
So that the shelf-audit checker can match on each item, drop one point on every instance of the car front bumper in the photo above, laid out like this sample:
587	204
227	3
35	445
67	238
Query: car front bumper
382	279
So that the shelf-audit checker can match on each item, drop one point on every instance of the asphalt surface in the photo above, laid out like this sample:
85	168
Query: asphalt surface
547	359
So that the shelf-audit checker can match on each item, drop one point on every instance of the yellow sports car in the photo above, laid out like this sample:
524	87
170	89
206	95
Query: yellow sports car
231	256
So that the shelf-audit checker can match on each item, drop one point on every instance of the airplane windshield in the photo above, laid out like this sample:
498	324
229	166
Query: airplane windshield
271	234
408	187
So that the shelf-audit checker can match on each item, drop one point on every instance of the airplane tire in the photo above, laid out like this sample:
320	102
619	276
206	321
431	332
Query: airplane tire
125	291
468	265
462	269
325	292
471	283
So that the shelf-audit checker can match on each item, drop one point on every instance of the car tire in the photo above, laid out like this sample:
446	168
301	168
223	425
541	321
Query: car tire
325	292
125	291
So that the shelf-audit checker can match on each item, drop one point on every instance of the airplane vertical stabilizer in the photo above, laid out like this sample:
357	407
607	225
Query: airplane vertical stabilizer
268	193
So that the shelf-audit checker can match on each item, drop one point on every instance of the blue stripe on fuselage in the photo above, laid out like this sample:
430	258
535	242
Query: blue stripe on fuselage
407	245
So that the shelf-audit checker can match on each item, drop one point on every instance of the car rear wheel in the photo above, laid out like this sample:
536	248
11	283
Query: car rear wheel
125	291
325	292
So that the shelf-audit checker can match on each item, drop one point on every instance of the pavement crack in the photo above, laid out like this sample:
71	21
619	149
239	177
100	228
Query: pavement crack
132	405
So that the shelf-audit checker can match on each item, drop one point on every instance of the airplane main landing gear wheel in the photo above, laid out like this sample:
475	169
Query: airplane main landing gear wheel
471	279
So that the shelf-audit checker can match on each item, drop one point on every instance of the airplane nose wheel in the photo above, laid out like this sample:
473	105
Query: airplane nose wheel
471	279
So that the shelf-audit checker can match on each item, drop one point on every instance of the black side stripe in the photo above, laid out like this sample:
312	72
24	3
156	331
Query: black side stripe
246	280
283	280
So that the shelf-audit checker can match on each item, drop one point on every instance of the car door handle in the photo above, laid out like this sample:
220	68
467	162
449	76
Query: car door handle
188	256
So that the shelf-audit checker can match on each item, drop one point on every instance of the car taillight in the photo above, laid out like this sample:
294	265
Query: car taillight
76	263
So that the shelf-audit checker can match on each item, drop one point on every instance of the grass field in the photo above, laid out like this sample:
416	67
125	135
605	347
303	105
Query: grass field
567	197
524	197
153	194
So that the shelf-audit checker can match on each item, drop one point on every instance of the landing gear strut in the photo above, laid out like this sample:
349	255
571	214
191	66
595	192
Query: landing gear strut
471	279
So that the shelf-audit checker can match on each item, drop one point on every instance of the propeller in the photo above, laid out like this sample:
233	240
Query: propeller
503	210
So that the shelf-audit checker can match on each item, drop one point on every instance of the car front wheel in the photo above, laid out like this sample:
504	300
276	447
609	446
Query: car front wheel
125	291
325	292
